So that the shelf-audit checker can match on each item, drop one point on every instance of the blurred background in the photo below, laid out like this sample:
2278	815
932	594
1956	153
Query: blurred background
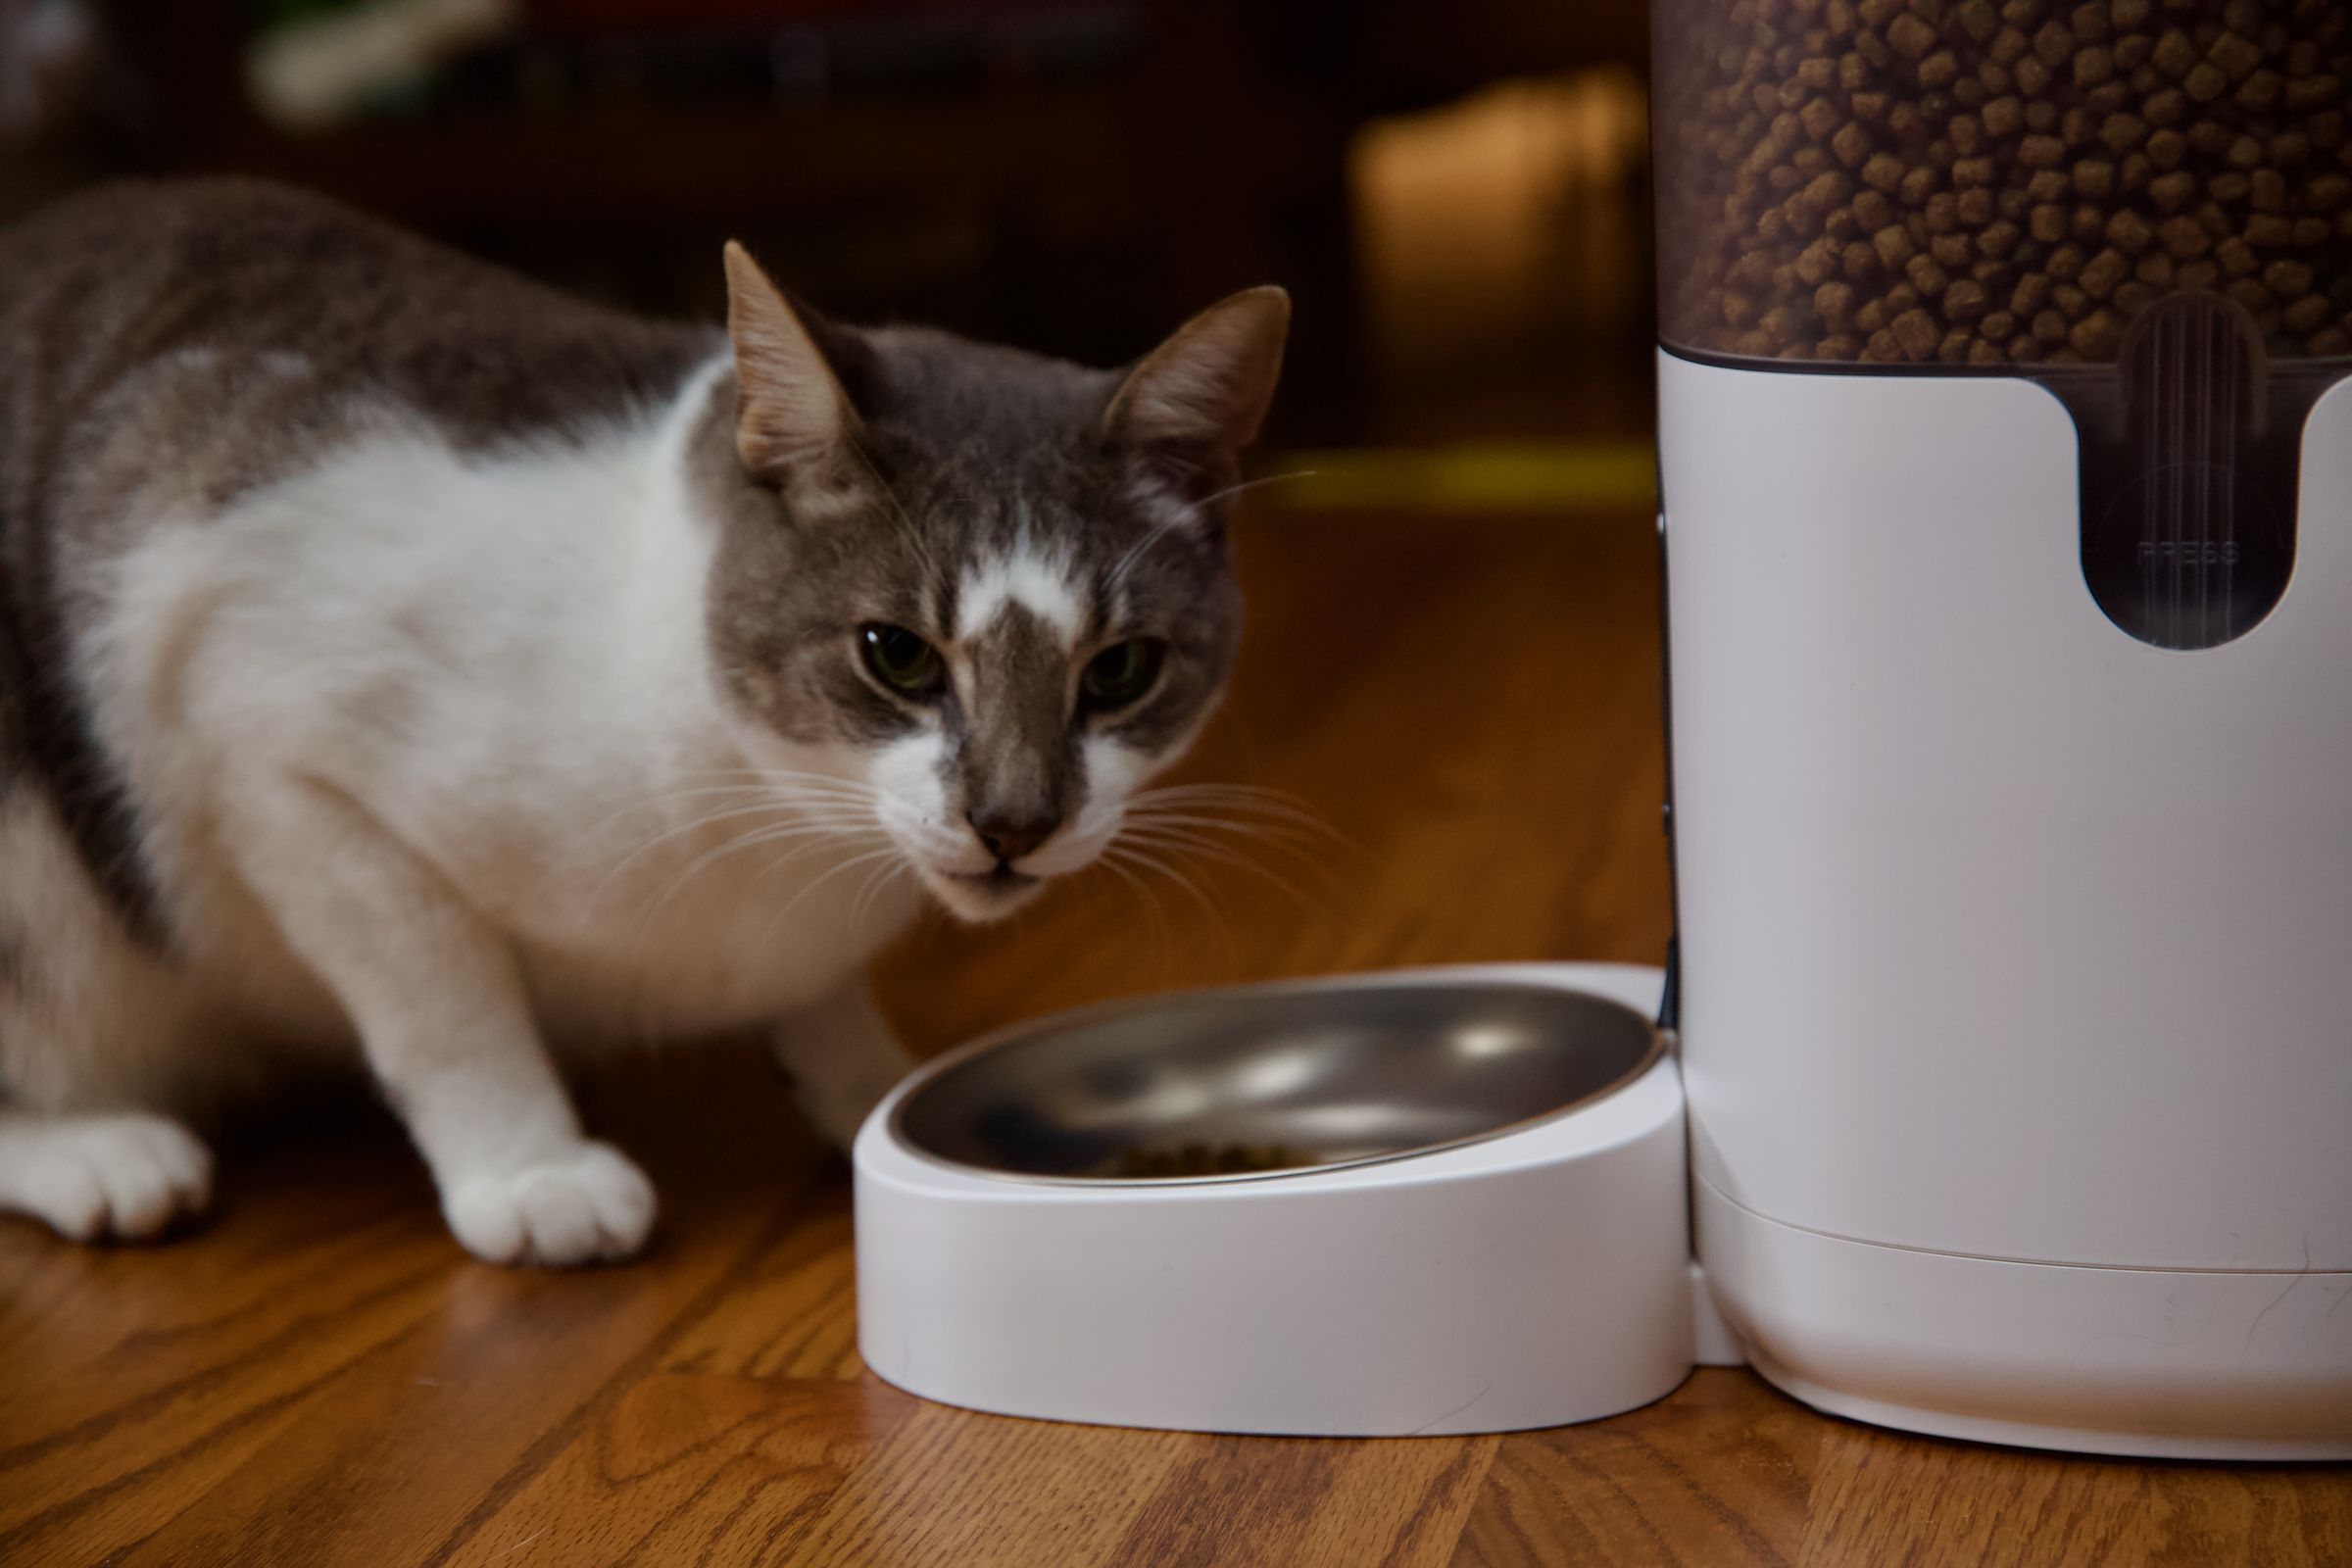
1453	189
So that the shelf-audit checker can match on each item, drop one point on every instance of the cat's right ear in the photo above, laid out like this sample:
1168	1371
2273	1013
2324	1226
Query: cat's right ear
790	413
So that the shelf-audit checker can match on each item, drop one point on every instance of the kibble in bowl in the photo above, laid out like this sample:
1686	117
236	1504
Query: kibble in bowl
1993	182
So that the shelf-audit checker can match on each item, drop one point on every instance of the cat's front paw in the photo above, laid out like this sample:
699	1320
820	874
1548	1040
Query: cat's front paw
589	1205
104	1178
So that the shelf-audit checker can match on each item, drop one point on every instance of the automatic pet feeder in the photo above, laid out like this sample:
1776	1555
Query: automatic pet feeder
2006	437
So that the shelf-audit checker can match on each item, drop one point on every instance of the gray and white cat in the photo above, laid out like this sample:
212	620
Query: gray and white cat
397	657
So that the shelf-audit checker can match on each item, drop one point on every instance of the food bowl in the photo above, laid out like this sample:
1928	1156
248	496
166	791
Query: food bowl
1309	1077
1479	1221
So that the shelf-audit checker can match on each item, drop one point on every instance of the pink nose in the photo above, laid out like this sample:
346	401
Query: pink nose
1009	838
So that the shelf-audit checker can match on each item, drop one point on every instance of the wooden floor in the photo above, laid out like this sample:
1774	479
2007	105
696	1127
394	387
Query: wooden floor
319	1376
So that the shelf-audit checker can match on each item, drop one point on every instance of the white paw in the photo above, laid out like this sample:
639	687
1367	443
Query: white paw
120	1177
588	1204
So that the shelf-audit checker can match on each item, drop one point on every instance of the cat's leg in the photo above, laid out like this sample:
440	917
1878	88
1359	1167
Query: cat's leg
843	1059
444	1018
91	1027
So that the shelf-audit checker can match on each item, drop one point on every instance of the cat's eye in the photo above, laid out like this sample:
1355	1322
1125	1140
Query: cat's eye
1123	673
902	661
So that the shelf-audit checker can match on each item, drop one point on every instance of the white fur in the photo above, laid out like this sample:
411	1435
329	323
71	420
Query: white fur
432	762
1027	577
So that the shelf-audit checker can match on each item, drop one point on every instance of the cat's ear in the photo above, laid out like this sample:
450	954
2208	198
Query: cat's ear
1195	403
790	410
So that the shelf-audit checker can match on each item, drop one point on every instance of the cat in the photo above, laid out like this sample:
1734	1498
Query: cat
399	658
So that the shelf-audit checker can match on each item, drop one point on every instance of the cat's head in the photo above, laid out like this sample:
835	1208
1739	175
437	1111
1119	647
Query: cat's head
977	594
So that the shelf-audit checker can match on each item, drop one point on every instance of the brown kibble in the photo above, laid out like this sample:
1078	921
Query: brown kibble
1917	332
1981	352
2290	280
1966	301
2000	326
2167	148
1919	183
2261	91
1859	262
1974	172
2065	263
1977	207
1851	144
2328	193
2236	257
2176	54
2171	192
1979	19
1953	350
2072	302
2004	117
1909	36
1942	213
2031	293
1949	249
2047	223
1884	347
2128	232
2050	327
1998	239
2199	274
2205	83
2123	133
2092	66
2166	108
2131	299
2094	178
2333	341
1873	317
2308	313
1882	172
2049	186
2235	55
2103	272
2185	237
1894	245
1817	263
2033	79
1940	70
2095	337
2311	231
2088	223
2269	230
2155	270
1838	346
2314	92
2041	152
1833	301
1927	278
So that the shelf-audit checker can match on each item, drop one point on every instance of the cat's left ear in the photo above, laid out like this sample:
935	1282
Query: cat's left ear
790	410
1196	403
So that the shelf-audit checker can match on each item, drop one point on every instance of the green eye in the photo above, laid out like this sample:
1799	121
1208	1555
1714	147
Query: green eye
1123	673
902	661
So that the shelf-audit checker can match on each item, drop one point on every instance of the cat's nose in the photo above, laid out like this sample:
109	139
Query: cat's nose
1009	838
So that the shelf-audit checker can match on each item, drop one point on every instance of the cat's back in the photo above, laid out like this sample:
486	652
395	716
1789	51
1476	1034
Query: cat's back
238	324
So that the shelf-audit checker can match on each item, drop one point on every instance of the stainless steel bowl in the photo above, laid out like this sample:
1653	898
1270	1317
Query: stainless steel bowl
1321	1073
